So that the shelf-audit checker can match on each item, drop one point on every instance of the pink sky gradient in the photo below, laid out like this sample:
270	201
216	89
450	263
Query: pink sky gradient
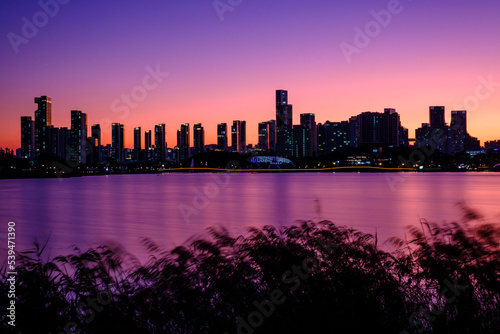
220	71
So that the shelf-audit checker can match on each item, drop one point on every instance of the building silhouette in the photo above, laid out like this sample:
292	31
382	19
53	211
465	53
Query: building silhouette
160	142
148	147
117	142
337	136
183	142
96	144
137	144
61	142
374	129
284	125
198	138
27	137
436	117
222	136
78	136
238	136
43	123
263	133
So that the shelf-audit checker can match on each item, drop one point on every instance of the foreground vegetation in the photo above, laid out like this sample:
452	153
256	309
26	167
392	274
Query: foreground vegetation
307	278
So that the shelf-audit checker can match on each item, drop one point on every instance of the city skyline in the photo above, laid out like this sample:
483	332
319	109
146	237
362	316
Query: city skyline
194	67
279	136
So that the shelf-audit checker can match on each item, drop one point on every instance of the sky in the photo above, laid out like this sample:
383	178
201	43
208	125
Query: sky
202	61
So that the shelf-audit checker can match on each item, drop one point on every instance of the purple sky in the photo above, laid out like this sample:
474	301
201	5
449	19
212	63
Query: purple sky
91	53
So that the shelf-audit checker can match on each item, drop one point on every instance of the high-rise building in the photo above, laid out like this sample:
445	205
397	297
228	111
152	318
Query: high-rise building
391	125
198	138
458	131
284	125
96	144
309	137
117	142
272	135
27	137
436	117
160	142
222	136
183	141
353	131
298	141
369	128
148	148
320	135
61	142
337	136
43	122
238	136
375	128
263	131
78	136
137	143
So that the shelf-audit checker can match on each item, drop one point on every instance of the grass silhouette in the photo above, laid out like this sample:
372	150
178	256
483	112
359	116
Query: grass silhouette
312	277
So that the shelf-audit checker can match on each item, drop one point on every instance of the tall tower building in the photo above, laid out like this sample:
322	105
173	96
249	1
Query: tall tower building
160	142
272	135
96	144
391	126
459	120
284	127
148	149
263	129
198	138
137	144
222	136
43	122
436	117
61	142
27	137
117	142
458	131
309	137
78	136
238	136
183	141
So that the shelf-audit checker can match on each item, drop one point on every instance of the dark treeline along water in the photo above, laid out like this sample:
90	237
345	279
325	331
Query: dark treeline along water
311	277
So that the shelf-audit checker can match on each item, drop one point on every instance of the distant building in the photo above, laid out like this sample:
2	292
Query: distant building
183	142
96	144
272	135
148	148
222	136
308	139
198	138
27	137
43	122
238	136
375	128
78	136
353	131
336	136
458	131
160	143
492	145
117	142
284	125
137	144
61	142
436	117
263	133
